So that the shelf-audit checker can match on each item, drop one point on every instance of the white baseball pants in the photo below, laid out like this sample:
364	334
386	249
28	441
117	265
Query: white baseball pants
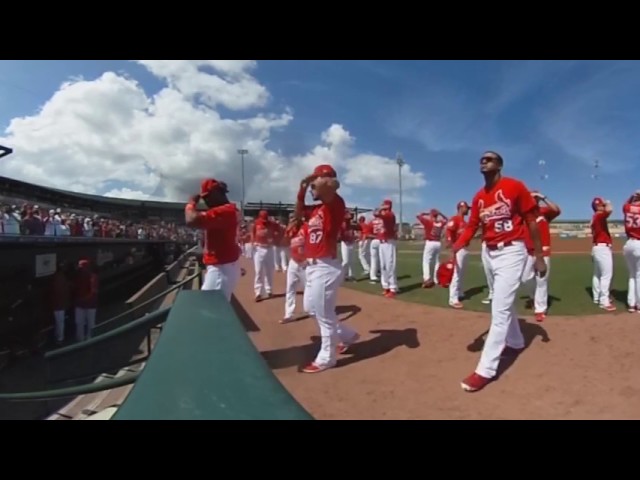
456	289
364	254
324	277
430	254
58	315
537	287
263	263
602	273
631	252
296	278
488	273
388	277
85	322
374	250
346	251
507	265
222	277
280	258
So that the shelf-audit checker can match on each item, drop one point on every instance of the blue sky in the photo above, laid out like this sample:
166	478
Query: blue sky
440	114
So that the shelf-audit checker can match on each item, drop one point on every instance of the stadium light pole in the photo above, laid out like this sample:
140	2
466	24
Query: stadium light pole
400	162
242	152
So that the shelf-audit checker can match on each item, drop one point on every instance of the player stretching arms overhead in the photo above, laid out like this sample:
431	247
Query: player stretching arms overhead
324	269
601	254
506	208
455	227
631	250
433	223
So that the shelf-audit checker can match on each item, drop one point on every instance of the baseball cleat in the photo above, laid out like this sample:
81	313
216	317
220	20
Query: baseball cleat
474	382
314	368
456	305
286	320
487	300
390	294
258	298
608	308
343	348
540	317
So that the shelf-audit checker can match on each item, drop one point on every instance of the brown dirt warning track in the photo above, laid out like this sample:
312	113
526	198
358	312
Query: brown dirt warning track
411	359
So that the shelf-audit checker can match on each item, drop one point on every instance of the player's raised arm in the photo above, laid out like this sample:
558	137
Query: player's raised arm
221	213
302	211
470	230
551	210
527	206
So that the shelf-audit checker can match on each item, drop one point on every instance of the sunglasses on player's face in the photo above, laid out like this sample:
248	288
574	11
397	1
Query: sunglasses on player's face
486	159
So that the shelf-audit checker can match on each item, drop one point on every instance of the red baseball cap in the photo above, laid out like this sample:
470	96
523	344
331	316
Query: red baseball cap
325	171
208	185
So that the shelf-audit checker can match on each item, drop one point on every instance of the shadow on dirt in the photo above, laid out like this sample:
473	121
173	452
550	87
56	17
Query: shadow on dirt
529	331
383	342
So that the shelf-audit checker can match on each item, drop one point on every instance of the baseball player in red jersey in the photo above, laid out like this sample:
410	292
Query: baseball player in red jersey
347	239
387	236
280	247
263	238
377	229
220	249
296	279
601	254
631	249
506	208
538	287
433	223
364	242
455	227
324	269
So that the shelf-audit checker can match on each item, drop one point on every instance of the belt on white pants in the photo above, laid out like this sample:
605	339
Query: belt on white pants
602	245
501	245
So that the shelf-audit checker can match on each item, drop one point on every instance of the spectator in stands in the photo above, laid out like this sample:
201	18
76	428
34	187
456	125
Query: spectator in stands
31	223
85	299
11	220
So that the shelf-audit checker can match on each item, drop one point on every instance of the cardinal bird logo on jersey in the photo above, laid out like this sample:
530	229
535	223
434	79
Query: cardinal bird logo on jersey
500	209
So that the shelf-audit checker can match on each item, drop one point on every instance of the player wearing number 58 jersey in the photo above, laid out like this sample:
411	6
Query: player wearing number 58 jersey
506	209
324	268
631	250
601	254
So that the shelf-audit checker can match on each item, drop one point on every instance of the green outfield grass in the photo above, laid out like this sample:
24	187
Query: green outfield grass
569	289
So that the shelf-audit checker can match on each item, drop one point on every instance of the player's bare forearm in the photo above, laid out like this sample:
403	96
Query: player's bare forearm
534	232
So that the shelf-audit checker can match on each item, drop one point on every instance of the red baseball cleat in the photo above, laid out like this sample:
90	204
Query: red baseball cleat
474	382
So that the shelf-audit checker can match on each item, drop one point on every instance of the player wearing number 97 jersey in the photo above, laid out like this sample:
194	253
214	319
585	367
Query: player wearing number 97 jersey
505	208
631	250
324	268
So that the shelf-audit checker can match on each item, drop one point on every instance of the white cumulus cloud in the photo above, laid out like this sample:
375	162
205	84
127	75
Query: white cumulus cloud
108	136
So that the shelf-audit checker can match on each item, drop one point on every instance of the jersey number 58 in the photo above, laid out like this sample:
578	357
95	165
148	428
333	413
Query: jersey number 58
503	226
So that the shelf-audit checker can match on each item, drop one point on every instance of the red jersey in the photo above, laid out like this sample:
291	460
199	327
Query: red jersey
219	241
455	227
377	227
86	289
347	233
323	224
432	228
545	217
503	210
296	238
278	235
600	228
264	233
366	230
631	220
388	230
